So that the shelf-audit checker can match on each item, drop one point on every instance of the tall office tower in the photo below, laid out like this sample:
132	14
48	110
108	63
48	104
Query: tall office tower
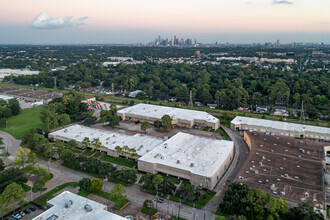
166	42
175	40
159	39
278	43
195	42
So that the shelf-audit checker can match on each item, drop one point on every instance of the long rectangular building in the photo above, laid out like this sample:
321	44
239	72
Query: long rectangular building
141	143
180	117
280	128
202	161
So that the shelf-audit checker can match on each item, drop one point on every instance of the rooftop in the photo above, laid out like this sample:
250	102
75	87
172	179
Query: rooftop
76	210
285	126
156	111
199	155
142	143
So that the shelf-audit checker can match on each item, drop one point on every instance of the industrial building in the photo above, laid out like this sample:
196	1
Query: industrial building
140	142
285	167
200	160
70	206
280	128
29	94
180	117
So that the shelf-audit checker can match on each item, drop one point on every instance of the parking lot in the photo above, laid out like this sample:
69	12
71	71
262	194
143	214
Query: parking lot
284	167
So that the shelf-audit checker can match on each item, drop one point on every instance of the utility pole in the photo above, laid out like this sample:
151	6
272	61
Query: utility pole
112	88
190	99
54	82
302	113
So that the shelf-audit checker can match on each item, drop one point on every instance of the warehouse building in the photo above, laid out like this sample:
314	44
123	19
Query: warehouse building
200	160
70	206
280	128
141	143
180	117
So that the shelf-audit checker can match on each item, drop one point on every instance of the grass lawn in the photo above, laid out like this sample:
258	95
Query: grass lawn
2	148
223	134
88	152
42	200
26	187
6	154
83	193
97	154
119	204
27	119
119	161
151	211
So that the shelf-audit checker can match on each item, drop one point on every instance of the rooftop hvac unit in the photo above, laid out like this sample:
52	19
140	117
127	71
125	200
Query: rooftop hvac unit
306	194
68	204
282	193
240	177
88	208
256	172
303	199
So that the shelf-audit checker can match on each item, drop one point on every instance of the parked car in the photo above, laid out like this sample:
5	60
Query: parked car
22	213
17	216
27	211
12	218
33	208
157	199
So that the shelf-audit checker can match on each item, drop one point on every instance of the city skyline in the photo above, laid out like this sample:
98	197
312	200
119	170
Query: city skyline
240	21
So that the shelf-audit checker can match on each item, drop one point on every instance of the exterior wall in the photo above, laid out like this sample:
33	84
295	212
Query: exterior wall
195	179
178	122
306	134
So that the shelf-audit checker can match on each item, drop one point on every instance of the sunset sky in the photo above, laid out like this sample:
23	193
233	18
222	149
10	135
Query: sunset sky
132	21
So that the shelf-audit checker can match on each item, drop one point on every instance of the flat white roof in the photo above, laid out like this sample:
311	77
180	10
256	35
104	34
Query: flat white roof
156	111
5	97
76	210
285	126
142	143
199	155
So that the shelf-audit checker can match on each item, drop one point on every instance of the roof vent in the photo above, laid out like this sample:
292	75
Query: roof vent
192	165
88	208
68	204
178	161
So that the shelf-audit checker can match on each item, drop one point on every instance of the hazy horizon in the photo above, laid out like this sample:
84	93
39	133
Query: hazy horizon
130	22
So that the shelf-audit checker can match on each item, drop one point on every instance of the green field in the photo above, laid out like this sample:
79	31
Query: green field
27	119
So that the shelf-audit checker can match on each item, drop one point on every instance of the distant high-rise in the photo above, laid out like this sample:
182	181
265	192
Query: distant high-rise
278	43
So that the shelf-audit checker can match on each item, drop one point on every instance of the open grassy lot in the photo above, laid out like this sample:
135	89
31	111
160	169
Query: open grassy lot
27	119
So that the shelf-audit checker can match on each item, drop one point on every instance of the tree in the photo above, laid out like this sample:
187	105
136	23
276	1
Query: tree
84	184
72	144
117	193
148	204
157	124
63	119
304	211
145	125
231	203
96	143
12	174
166	187
96	185
86	143
14	193
14	106
157	180
2	165
113	120
167	121
89	120
39	185
24	156
127	175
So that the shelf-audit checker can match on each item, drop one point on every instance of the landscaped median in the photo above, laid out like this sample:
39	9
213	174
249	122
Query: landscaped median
151	211
42	200
120	205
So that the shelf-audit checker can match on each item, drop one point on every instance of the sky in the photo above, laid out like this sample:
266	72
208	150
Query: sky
133	21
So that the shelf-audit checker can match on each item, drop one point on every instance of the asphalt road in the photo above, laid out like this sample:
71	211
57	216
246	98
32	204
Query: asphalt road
63	174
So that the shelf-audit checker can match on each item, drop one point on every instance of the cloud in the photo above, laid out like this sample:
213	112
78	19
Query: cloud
80	21
45	21
279	2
